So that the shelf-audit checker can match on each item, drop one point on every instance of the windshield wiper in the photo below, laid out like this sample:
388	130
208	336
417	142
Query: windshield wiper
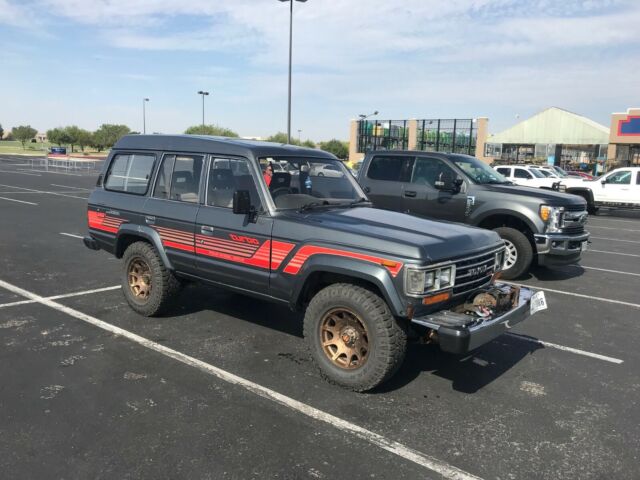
312	205
497	182
360	202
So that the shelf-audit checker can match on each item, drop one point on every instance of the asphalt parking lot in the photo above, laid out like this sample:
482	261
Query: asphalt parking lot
223	387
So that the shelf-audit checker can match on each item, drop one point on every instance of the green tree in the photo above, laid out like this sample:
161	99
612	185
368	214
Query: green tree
1	132
281	137
339	148
108	134
23	133
84	138
59	136
215	130
309	144
73	135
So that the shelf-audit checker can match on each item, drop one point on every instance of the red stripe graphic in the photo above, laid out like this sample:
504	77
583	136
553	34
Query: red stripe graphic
178	239
301	256
100	221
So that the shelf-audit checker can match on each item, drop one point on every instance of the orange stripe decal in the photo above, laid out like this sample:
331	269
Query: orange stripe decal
301	256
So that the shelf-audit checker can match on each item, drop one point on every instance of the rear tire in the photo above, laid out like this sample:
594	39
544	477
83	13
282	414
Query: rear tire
519	254
147	285
353	337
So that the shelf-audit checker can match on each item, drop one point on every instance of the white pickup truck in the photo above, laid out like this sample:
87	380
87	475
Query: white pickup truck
619	188
527	176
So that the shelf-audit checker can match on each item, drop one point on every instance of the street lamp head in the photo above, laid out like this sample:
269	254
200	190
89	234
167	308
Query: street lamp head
202	92
376	112
146	99
296	1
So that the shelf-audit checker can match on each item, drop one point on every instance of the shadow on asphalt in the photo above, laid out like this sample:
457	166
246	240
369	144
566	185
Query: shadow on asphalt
565	272
467	374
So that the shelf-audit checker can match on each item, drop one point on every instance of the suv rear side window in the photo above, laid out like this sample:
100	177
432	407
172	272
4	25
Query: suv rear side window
130	173
179	178
521	173
390	168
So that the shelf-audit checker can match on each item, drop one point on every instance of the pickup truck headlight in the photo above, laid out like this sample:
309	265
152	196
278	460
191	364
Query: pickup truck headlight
423	281
552	216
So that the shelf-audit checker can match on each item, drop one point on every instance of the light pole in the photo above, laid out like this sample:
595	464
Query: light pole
203	93
144	115
299	132
290	59
364	117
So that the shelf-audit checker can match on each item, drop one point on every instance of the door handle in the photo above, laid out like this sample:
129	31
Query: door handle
410	193
150	219
206	230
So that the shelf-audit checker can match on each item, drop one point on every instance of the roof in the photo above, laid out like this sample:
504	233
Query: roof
554	126
218	145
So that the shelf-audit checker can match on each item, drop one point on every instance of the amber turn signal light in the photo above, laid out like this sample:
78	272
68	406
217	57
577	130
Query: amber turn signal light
437	298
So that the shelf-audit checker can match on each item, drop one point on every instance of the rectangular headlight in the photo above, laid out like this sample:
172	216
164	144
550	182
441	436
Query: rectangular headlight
415	281
419	282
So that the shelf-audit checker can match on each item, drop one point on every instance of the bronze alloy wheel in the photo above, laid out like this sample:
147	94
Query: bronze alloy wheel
345	340
139	276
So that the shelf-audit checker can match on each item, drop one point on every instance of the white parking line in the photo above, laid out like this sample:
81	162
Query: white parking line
442	468
610	271
612	253
567	349
40	191
69	186
49	171
580	295
65	295
72	235
20	173
613	239
19	201
609	219
614	228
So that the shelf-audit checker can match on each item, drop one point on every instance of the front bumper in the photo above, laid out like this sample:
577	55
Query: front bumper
559	249
457	334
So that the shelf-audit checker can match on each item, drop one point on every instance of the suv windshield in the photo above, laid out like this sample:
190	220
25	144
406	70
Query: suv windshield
477	170
306	182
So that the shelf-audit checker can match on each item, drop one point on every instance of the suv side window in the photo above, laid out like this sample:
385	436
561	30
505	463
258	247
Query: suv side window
506	171
521	173
620	178
179	178
227	175
390	168
430	170
130	173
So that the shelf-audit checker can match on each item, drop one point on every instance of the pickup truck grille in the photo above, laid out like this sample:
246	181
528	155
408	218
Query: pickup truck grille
474	272
574	219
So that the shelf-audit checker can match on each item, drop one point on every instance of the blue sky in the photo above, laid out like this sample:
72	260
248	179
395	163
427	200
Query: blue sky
88	62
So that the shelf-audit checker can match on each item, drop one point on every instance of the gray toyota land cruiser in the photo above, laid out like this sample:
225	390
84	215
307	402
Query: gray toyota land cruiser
215	210
538	225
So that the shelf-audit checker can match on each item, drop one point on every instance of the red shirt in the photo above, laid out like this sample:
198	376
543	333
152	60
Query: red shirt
267	178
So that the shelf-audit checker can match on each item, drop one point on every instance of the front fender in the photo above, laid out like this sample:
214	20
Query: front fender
520	212
357	269
128	230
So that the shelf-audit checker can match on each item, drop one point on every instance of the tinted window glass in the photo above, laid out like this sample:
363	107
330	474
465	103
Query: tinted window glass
163	183
130	173
620	178
185	180
521	173
504	171
430	170
225	177
386	168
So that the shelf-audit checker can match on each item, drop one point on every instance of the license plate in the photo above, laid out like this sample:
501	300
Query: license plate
538	302
584	246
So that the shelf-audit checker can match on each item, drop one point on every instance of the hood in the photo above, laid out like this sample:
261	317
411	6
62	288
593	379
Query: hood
549	197
397	233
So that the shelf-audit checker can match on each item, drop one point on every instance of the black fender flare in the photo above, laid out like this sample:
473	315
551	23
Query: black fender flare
146	233
357	269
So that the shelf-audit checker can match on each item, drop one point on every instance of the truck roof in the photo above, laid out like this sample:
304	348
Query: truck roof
211	144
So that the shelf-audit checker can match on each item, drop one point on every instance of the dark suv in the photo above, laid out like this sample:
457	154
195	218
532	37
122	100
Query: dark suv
538	225
185	208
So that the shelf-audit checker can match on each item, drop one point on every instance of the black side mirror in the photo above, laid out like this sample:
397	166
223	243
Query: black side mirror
447	183
242	202
603	181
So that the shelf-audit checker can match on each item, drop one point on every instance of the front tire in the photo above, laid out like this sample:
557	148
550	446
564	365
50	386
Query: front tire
519	253
147	285
353	337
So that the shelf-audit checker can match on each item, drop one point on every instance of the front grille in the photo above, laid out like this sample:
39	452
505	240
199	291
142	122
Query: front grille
574	219
474	272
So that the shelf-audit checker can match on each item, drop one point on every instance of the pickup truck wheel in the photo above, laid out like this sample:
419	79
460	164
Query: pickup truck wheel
353	337
147	285
519	253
